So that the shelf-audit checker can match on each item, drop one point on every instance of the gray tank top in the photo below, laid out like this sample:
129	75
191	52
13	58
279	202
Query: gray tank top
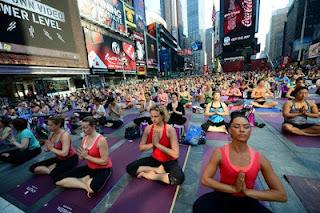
300	119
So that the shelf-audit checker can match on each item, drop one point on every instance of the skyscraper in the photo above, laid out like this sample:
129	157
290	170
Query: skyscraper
172	14
193	19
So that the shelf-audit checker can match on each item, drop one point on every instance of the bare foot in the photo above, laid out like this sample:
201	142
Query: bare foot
5	155
147	175
160	170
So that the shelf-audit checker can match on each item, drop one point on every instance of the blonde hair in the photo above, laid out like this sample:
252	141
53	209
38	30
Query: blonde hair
162	111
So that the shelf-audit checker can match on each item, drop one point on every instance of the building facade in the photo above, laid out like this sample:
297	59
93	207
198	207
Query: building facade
276	35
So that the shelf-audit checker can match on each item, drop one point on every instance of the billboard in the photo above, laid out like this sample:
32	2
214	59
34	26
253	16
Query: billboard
314	50
105	52
152	52
108	13
37	31
140	15
239	21
152	29
130	17
140	48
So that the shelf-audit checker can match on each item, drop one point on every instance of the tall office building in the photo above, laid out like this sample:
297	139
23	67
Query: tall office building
171	12
276	35
193	19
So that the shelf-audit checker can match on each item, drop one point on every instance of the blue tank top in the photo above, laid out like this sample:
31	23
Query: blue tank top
216	118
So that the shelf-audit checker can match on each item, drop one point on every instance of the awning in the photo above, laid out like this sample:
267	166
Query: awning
35	70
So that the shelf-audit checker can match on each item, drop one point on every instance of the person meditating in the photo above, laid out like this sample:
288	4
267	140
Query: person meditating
234	95
291	94
60	144
216	110
163	164
27	145
296	113
260	93
176	111
239	165
94	149
185	97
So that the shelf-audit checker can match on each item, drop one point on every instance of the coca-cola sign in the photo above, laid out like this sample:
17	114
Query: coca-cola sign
239	19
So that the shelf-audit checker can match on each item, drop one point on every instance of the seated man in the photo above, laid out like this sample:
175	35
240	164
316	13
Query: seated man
260	93
291	94
297	111
216	110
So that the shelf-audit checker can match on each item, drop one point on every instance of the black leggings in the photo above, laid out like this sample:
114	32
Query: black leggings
181	121
176	176
138	121
18	156
115	124
99	176
223	202
62	166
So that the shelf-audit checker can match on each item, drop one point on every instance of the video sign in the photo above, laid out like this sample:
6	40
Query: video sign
152	52
239	21
106	52
43	29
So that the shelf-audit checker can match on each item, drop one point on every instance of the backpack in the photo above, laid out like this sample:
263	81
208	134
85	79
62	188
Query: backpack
132	133
193	135
248	111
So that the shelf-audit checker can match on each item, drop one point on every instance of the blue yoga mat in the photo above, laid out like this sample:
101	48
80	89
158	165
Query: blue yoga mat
268	109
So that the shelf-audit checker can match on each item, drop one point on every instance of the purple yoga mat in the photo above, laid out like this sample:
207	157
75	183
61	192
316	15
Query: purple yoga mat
205	160
217	136
144	196
276	120
77	200
32	190
112	140
126	119
308	191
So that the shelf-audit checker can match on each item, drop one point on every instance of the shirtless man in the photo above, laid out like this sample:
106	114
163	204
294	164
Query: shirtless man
260	93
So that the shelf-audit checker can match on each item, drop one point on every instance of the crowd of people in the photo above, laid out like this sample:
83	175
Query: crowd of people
163	104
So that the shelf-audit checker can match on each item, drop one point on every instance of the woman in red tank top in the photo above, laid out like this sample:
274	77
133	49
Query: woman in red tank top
161	137
239	165
60	144
93	176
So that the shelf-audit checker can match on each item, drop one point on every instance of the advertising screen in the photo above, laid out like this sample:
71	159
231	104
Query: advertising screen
140	15
130	17
152	52
314	50
109	13
106	52
140	48
239	21
44	28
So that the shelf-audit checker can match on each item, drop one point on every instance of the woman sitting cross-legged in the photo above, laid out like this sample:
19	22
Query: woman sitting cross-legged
93	176
27	145
60	144
163	164
296	113
144	110
115	115
239	165
176	111
216	110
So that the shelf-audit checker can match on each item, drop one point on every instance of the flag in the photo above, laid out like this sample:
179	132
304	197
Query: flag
213	17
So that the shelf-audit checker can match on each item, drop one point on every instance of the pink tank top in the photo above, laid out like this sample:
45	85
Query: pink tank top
58	145
229	172
164	141
94	152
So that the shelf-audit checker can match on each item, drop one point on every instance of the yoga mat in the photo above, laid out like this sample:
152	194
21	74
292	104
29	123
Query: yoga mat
217	136
126	119
235	108
76	200
112	140
276	120
205	160
308	191
267	109
32	190
144	196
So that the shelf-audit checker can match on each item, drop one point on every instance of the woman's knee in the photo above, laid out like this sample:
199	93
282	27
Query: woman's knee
176	179
132	169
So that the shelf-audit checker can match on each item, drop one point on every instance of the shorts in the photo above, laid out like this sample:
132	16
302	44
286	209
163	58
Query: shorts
209	123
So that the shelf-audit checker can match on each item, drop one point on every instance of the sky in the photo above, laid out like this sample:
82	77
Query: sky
266	8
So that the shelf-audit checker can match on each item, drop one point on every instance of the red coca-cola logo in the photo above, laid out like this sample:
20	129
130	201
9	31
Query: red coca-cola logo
247	16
